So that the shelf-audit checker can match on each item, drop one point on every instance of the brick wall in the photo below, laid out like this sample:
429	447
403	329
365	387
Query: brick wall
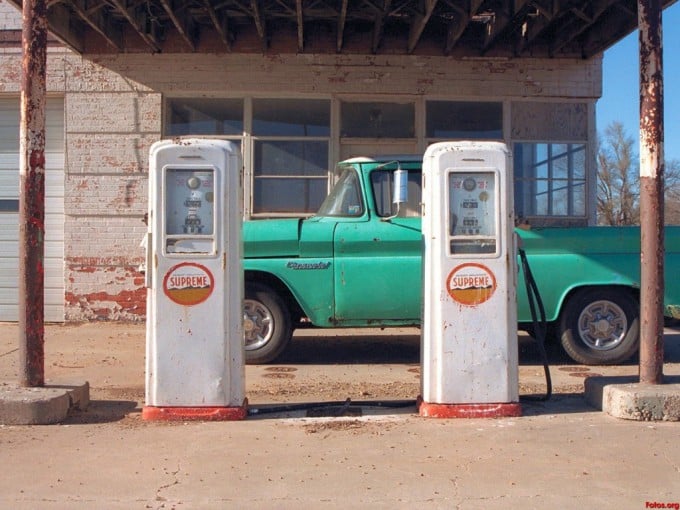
111	122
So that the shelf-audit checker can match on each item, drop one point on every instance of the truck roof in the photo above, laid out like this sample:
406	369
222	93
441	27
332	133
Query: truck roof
384	158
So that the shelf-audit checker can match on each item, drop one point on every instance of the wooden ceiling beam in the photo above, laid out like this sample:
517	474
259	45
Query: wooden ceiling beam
419	23
300	25
100	23
220	24
379	27
458	26
260	22
135	20
183	24
342	19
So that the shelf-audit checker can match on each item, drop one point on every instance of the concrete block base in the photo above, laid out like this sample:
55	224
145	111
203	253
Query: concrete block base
625	397
43	405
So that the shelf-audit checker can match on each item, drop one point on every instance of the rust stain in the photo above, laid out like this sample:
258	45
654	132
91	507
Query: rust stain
32	186
128	302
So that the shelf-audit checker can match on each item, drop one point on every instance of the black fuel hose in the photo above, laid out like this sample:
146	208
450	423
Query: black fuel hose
540	328
539	334
342	406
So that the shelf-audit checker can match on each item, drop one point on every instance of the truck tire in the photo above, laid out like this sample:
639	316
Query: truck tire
266	324
600	326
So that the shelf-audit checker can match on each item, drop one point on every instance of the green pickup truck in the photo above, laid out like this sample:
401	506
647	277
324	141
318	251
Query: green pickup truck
357	263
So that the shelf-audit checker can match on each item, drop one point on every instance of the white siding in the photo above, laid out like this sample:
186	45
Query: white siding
54	210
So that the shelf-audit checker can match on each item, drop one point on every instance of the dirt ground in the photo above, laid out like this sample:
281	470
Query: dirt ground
560	454
319	365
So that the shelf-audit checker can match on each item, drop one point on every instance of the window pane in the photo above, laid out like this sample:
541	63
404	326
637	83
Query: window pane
550	179
289	195
579	197
560	198
464	119
297	158
204	116
541	207
560	161
291	117
377	120
579	161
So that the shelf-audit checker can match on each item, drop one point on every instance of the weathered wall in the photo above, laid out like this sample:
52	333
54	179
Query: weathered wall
10	17
114	114
110	123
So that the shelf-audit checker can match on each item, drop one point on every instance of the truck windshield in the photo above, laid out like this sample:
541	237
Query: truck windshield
345	197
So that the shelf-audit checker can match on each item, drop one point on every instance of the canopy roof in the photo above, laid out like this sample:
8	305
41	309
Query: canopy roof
460	28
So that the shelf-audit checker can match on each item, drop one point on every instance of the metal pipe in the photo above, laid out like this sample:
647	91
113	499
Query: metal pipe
651	193
32	193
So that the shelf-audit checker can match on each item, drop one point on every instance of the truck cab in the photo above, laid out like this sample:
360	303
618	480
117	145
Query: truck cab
358	263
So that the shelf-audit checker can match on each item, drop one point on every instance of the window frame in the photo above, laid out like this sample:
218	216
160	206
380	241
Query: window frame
572	183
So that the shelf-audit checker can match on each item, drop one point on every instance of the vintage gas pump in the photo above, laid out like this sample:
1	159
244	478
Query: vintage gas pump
194	336
469	331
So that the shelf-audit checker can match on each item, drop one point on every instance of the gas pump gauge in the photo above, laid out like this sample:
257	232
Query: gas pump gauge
189	212
472	212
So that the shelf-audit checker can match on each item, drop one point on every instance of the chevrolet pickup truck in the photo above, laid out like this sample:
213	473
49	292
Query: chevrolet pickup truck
357	263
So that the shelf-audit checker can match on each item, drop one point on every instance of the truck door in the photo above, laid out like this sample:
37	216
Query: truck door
378	262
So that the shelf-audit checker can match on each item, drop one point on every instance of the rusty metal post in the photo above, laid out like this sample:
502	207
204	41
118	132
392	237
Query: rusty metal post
32	193
651	193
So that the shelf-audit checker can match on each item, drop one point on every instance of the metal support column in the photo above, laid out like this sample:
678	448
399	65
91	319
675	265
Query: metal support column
651	193
32	193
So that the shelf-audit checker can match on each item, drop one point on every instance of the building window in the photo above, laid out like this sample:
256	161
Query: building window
550	180
290	176
204	116
464	120
291	140
377	120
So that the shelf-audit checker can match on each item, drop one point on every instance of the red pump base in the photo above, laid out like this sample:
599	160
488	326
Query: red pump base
499	410
195	413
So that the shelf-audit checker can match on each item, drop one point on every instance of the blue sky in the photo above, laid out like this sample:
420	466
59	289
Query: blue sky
620	95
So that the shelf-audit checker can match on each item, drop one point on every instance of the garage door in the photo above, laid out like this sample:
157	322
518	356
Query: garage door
9	210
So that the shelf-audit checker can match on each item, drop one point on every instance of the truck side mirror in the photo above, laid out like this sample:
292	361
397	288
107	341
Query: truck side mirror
400	191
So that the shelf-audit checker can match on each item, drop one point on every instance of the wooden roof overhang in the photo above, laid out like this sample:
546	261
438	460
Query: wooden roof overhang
458	28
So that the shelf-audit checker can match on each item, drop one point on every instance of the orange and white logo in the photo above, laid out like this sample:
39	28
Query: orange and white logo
471	284
188	283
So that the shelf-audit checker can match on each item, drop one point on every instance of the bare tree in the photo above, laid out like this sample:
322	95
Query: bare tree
672	193
617	184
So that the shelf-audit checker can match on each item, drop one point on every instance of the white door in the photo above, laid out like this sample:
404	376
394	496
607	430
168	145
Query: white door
9	209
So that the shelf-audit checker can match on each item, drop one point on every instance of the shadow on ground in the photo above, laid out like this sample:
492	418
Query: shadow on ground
103	411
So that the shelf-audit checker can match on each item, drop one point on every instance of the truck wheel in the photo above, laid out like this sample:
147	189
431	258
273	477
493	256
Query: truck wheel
266	324
600	326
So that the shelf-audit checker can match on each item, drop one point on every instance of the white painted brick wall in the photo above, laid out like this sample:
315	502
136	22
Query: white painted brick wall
10	17
352	74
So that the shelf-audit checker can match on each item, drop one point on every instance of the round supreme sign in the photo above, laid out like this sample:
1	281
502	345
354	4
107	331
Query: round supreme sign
471	284
188	283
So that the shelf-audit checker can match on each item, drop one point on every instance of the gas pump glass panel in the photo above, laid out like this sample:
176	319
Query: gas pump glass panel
473	218
190	210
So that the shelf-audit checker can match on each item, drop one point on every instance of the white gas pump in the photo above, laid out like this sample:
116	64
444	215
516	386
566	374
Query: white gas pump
194	335
469	330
